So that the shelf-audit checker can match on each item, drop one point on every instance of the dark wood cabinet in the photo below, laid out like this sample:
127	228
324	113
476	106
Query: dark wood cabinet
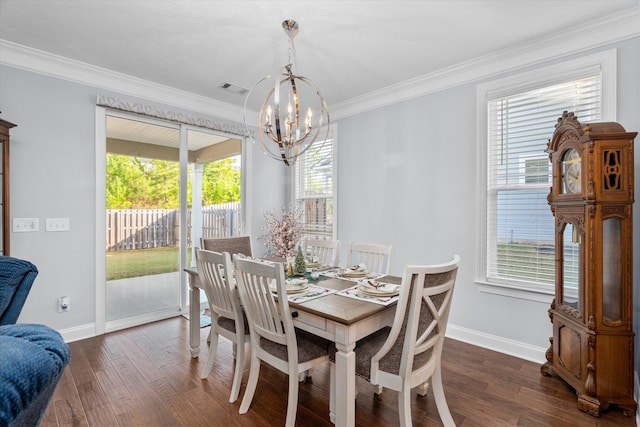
591	199
4	153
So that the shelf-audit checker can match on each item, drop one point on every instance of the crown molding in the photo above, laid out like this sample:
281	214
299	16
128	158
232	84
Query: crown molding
590	35
38	61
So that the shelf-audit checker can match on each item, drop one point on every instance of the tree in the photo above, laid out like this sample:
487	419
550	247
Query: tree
136	183
164	184
301	266
220	182
126	183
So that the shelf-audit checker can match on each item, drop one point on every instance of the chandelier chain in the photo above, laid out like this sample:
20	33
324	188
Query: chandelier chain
292	55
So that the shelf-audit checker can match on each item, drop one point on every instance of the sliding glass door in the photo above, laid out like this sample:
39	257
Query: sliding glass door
166	186
142	219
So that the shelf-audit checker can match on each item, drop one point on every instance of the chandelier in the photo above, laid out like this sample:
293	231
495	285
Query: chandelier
293	112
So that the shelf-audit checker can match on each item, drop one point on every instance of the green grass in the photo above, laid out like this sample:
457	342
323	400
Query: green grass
142	262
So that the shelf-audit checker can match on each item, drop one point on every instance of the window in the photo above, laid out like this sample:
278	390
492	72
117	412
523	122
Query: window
536	169
314	189
518	246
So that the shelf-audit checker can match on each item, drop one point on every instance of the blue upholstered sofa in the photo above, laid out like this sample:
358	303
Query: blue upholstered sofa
32	356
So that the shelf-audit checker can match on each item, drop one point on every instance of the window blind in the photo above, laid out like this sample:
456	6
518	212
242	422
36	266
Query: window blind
520	225
314	189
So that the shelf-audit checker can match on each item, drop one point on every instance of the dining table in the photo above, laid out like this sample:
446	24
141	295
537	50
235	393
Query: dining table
337	315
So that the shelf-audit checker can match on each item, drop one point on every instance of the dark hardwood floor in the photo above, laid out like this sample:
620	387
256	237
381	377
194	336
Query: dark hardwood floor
144	376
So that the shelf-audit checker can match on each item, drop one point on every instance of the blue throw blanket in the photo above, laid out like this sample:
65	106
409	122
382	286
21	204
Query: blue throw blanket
32	359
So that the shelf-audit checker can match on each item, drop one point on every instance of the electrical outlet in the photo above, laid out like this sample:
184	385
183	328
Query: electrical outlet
63	304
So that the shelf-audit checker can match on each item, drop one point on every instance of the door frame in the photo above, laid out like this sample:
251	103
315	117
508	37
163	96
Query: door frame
101	324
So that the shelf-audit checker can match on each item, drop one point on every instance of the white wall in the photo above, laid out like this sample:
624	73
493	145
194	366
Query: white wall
406	176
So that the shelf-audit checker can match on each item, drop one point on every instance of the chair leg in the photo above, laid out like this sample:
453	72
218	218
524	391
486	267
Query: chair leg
441	401
211	357
423	388
252	382
292	402
238	371
404	407
304	375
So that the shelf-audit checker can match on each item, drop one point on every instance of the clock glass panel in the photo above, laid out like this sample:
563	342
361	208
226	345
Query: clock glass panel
612	269
571	267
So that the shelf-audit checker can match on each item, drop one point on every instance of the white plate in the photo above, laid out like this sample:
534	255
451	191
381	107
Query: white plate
293	286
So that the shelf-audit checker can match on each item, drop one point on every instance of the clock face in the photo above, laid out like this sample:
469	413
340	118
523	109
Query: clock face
572	172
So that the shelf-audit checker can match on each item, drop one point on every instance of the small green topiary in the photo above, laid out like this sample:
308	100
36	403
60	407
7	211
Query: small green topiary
300	267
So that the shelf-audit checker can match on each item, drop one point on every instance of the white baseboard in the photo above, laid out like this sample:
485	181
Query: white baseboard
496	343
78	333
89	330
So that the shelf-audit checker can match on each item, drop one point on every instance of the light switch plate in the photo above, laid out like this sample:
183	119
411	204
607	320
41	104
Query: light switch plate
57	224
26	225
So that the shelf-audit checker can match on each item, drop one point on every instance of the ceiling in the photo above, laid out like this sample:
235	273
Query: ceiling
348	48
124	129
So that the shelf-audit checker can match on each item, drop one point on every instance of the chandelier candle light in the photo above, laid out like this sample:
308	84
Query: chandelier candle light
284	134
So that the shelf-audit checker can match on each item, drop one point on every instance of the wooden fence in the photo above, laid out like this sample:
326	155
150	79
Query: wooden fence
221	220
152	228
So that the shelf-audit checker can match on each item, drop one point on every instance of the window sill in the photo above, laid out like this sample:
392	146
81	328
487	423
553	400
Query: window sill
529	294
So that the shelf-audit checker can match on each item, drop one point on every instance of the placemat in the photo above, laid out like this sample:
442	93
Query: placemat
312	292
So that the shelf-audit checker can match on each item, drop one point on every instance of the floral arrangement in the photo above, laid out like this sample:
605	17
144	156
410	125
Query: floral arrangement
282	232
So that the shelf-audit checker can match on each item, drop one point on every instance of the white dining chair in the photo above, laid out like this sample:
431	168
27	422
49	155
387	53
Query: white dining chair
376	257
274	340
325	251
408	354
233	245
227	317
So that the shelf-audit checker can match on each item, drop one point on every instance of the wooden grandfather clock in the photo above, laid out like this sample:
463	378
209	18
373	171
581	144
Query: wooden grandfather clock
591	198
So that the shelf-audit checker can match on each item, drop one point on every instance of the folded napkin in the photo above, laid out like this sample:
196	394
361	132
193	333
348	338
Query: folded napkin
294	282
357	268
378	287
